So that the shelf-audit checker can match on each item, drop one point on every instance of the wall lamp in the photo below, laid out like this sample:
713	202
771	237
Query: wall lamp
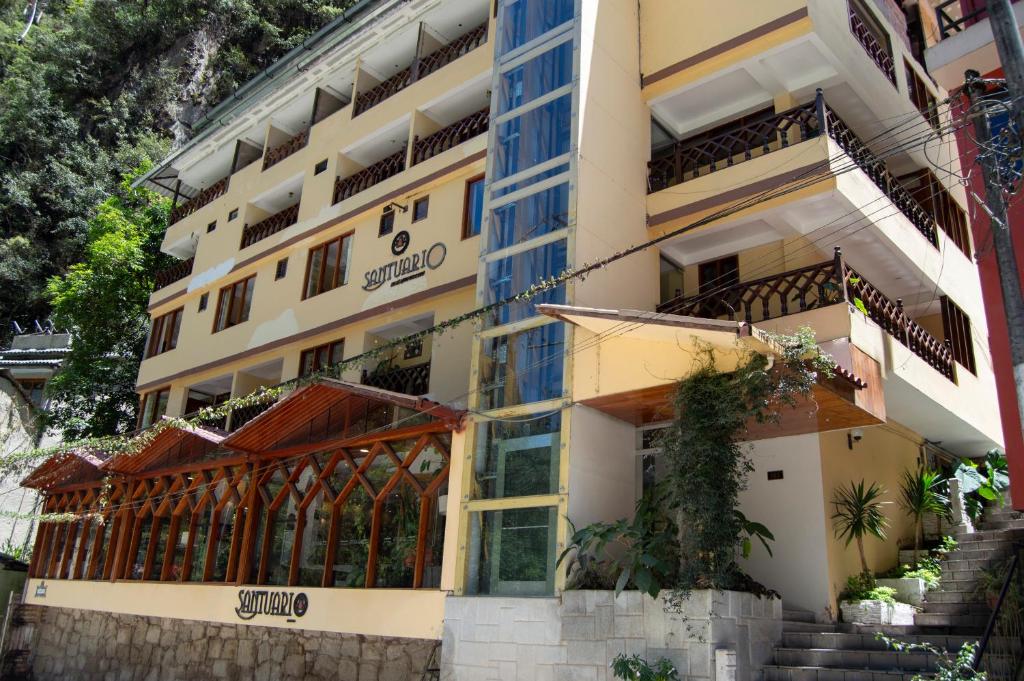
396	205
855	435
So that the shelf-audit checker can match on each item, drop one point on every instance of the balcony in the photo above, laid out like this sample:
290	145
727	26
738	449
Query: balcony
446	138
873	39
214	191
283	151
421	68
366	178
175	272
764	133
953	19
807	288
410	380
270	226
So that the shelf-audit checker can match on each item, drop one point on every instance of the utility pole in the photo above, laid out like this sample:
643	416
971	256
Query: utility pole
1002	239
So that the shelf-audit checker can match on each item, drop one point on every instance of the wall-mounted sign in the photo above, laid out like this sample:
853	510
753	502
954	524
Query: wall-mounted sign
400	243
41	590
406	268
252	602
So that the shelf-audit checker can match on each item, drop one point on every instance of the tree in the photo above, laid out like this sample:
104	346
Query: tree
921	493
102	302
859	515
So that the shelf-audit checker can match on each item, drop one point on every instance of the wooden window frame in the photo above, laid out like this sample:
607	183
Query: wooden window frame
314	353
281	269
715	283
388	212
204	300
227	294
422	201
144	403
340	273
163	334
956	327
466	207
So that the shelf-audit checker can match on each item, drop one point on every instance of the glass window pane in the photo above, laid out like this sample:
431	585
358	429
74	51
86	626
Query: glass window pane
337	352
527	181
475	207
180	540
176	328
273	487
522	367
314	541
223	306
161	404
313	273
200	544
90	545
140	554
518	458
353	548
237	302
321	357
536	136
250	284
160	549
542	74
306	363
69	568
512	552
517	273
400	522
346	255
523	20
102	549
222	549
529	217
330	265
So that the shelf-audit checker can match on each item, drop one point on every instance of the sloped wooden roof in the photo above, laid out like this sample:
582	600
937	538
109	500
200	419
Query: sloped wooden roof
171	446
66	468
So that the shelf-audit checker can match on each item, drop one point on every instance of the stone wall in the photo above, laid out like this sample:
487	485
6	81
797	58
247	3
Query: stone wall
576	637
100	646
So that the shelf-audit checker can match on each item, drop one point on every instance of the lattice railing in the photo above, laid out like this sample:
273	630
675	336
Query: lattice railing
462	45
366	178
451	136
272	225
242	415
390	87
283	151
214	191
700	155
878	52
798	290
411	380
175	272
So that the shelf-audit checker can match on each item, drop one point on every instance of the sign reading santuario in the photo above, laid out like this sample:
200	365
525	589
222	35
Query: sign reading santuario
407	267
252	602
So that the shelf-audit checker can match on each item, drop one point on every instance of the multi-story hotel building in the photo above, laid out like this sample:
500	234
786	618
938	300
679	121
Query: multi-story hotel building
417	160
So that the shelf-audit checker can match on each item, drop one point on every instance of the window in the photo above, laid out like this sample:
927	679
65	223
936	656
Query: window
413	349
539	135
508	276
529	217
320	167
203	300
419	209
164	334
522	367
33	388
321	357
715	275
282	269
956	326
387	222
473	211
922	97
233	304
233	214
535	78
212	226
328	266
154	405
525	20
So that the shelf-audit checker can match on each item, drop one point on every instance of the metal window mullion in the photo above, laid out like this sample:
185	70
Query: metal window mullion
527	173
535	188
526	51
534	103
524	246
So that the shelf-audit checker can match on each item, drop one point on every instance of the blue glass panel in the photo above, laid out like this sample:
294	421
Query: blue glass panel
536	136
517	273
522	367
523	20
529	217
540	75
533	179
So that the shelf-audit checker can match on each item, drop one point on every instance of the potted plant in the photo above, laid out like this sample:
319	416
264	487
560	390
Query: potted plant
921	494
863	601
859	515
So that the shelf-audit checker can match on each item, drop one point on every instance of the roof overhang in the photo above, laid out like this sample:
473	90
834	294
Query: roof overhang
186	442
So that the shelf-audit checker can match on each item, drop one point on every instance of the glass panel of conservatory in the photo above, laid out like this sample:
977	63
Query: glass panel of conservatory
400	522
314	541
353	547
200	544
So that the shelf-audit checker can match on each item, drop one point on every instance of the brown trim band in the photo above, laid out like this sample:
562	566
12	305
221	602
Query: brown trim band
732	195
405	189
323	328
718	49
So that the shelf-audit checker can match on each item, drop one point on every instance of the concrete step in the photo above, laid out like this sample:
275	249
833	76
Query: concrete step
782	673
797	615
989	535
957	608
961	585
1015	524
885	660
954	596
971	622
866	641
982	551
808	627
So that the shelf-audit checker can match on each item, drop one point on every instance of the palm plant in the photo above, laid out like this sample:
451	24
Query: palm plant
859	514
921	493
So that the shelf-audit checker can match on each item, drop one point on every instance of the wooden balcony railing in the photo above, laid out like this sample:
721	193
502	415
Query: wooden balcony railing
214	191
451	136
879	53
421	68
462	45
175	272
690	158
412	380
283	151
812	287
269	226
756	136
367	177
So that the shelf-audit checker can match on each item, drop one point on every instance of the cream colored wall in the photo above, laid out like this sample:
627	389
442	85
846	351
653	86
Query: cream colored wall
766	260
409	613
602	467
882	456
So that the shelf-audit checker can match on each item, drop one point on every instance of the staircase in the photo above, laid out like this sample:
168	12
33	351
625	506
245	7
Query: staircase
952	615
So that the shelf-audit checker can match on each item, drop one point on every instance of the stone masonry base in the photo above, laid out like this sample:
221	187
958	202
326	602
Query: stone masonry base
100	646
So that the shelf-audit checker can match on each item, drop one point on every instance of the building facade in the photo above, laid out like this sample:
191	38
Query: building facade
964	41
742	169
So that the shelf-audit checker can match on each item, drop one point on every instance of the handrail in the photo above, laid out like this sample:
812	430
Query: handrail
367	177
949	25
270	226
451	136
285	149
175	272
876	51
984	658
214	191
